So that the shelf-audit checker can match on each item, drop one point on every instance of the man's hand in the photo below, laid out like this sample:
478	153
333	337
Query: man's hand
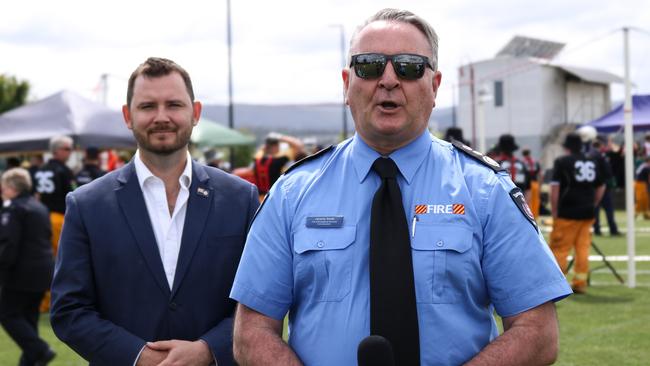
181	353
151	357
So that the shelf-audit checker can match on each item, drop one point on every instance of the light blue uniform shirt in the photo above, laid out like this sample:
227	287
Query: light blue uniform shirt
473	252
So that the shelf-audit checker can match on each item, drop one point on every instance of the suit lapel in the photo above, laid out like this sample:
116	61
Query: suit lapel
131	201
198	210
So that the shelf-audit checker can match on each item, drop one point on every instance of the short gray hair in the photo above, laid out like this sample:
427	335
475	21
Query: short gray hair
57	142
404	16
18	179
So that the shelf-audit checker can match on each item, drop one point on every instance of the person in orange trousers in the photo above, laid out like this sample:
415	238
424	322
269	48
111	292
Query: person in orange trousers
534	170
576	188
642	203
52	182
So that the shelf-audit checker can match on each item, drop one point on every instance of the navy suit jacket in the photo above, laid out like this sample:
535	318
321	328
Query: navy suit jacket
109	292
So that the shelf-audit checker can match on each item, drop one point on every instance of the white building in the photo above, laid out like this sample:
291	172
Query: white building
522	92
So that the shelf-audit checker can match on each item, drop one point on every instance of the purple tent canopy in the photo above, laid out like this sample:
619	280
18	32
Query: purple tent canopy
614	119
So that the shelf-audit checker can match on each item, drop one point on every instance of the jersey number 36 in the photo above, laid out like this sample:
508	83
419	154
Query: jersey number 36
585	171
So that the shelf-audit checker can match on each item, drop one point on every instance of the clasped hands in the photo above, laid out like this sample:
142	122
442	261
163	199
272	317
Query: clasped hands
175	353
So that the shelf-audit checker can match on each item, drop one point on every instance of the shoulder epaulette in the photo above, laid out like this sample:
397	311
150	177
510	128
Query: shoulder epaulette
309	158
484	159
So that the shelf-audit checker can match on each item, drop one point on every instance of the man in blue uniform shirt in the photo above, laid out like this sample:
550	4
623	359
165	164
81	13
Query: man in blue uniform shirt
472	242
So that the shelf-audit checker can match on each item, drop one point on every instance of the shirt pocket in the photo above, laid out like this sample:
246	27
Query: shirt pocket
323	268
440	260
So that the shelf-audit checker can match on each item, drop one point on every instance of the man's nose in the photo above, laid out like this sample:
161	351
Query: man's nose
389	78
161	114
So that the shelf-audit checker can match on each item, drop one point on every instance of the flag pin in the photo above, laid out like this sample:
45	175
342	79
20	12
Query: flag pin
202	192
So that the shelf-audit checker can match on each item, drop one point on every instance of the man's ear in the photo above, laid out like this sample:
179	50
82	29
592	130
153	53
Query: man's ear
196	112
127	117
437	78
345	74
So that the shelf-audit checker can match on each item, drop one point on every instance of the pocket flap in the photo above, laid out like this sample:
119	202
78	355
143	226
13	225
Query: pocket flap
307	239
442	237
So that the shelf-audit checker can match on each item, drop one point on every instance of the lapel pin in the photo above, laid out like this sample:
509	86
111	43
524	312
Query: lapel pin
202	192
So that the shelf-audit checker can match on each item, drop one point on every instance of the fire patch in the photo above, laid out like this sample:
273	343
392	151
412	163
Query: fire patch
454	209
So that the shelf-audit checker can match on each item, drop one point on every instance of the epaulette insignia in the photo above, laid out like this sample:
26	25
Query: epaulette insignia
308	158
486	160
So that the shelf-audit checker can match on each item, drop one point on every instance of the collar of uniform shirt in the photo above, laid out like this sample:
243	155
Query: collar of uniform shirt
408	158
145	174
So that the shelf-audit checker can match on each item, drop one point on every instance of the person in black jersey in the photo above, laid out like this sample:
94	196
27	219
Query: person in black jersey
91	169
576	188
52	183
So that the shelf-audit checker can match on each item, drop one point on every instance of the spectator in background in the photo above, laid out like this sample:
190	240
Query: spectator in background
599	153
455	133
576	189
13	162
617	162
35	163
91	169
641	184
214	159
270	162
535	174
53	181
517	169
26	265
646	145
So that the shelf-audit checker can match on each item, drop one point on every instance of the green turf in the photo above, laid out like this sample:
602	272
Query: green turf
610	325
9	353
607	326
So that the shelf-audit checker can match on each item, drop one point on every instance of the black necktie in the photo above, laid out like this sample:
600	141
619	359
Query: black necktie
393	311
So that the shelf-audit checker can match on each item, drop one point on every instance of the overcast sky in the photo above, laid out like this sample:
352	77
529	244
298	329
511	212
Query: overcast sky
286	51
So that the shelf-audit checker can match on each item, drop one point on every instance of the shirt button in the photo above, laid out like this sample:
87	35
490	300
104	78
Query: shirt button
173	306
320	244
440	243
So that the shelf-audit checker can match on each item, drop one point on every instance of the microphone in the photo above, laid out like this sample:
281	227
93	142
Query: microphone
375	350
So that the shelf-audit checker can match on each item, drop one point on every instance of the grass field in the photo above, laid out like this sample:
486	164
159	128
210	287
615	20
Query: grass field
610	325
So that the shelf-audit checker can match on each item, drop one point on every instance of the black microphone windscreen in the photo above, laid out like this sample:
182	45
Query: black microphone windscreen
375	350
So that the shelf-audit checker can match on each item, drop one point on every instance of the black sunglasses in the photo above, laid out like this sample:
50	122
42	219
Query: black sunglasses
407	66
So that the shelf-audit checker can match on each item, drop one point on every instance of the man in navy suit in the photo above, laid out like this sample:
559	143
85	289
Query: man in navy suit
148	252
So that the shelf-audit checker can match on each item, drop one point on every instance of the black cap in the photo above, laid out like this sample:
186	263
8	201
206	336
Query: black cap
455	133
507	143
92	153
573	142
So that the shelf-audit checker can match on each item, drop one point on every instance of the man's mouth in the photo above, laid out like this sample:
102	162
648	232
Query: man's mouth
388	105
161	131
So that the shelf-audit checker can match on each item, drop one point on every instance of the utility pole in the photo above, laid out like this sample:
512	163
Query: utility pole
629	165
104	82
343	65
231	119
473	104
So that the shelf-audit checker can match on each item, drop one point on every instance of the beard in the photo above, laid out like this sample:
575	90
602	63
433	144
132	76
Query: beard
149	142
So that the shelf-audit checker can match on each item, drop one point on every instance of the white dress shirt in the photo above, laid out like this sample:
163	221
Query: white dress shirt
168	229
